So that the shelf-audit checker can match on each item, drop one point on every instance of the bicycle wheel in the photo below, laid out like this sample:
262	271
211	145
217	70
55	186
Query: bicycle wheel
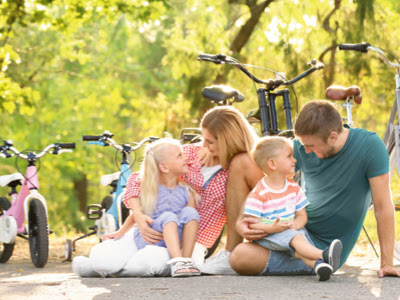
5	204
395	188
38	233
107	202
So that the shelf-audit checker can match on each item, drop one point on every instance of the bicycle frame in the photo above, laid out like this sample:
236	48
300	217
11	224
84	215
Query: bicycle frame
118	194
20	201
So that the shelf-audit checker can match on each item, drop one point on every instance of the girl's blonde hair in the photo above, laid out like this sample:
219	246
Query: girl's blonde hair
150	173
232	131
268	147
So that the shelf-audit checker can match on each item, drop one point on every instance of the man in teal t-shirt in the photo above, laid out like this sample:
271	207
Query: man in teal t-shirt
338	188
344	168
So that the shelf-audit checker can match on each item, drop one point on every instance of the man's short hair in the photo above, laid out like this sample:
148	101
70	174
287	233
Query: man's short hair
318	118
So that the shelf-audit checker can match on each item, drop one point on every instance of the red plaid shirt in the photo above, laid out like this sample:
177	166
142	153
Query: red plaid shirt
212	205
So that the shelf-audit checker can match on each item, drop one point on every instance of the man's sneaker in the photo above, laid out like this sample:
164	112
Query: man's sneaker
218	264
323	270
331	254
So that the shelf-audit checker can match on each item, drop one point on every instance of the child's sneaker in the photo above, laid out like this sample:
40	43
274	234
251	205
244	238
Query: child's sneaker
331	254
323	270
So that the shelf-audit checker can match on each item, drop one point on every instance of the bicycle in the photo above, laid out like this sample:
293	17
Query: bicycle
112	212
391	137
28	205
266	112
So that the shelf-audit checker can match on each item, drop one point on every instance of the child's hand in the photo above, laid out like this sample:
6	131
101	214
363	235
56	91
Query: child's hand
294	225
280	226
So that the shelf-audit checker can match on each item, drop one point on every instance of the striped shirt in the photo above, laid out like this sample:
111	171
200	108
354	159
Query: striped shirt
268	204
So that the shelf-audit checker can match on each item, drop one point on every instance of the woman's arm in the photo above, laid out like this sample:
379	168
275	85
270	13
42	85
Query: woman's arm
143	222
116	235
192	199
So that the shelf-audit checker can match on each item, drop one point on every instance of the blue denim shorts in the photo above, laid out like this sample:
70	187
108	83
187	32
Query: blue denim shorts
281	259
280	241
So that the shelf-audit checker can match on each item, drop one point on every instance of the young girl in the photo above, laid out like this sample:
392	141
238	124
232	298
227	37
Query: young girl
170	204
279	204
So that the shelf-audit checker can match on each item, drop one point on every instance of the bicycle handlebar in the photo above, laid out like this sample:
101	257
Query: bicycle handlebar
365	47
91	137
106	140
271	84
9	146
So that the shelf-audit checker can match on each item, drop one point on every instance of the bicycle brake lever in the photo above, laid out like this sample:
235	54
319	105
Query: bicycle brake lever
4	154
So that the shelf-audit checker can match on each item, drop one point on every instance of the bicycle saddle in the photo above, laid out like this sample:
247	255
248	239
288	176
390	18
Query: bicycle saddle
109	178
336	92
13	179
218	93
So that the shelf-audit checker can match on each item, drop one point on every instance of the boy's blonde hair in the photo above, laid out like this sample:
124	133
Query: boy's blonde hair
150	173
232	131
267	148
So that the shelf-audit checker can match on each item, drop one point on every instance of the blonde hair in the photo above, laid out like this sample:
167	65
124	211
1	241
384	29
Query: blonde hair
150	173
267	148
319	118
232	131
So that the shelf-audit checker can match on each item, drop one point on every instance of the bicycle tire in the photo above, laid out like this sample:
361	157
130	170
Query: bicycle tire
124	212
38	233
395	190
5	204
6	251
107	202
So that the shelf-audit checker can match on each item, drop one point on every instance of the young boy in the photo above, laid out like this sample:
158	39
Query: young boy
279	204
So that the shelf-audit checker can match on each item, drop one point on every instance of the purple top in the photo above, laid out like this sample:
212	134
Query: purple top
172	200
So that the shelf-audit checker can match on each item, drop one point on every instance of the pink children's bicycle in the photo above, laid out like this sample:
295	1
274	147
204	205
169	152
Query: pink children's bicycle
27	205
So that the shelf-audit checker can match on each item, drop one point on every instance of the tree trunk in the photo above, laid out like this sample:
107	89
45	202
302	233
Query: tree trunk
80	189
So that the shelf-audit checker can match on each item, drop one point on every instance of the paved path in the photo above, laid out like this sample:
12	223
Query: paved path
356	280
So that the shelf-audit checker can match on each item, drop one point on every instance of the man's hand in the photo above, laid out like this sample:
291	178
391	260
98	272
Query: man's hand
149	235
243	228
388	270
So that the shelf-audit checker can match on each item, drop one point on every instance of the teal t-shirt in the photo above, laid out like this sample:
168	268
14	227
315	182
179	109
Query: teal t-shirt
338	189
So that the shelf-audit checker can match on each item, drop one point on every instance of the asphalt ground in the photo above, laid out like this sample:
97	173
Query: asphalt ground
19	279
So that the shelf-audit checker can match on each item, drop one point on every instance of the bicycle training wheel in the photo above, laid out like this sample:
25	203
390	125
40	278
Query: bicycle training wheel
395	188
6	250
38	233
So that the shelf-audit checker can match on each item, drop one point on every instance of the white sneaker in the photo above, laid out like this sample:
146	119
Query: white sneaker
218	264
199	253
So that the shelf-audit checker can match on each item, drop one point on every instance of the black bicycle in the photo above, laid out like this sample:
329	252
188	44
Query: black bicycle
266	113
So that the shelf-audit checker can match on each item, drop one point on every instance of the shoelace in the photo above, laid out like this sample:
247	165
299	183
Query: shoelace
223	254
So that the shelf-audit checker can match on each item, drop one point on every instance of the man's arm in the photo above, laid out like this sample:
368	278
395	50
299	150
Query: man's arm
384	214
